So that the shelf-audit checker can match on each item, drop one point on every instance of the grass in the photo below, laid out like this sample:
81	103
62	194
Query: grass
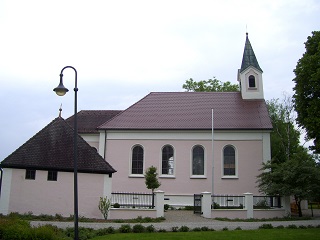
262	234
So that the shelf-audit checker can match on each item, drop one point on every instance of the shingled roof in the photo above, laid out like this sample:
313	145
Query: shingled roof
249	58
192	111
52	149
90	120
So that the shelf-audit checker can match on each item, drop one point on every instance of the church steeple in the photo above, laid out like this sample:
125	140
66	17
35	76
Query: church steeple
249	58
250	74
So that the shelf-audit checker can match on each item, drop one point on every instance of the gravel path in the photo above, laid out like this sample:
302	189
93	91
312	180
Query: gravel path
186	218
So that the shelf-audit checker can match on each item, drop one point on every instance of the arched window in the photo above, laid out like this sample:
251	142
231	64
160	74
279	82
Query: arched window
229	161
137	160
167	160
198	160
252	81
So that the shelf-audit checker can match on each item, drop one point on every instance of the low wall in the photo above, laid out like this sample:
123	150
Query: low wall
268	213
229	213
131	213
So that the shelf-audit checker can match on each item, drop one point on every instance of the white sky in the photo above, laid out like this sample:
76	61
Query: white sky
123	50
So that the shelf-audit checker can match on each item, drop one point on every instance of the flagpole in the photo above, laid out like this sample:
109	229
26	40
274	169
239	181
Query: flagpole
212	140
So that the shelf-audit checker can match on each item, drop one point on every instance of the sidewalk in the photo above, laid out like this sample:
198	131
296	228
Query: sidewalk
187	218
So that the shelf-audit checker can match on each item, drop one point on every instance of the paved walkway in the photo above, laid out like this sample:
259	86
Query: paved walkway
187	218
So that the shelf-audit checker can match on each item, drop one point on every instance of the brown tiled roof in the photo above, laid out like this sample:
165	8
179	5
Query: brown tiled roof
52	149
89	120
193	110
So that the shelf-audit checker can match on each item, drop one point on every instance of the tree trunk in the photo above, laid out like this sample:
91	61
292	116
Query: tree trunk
298	203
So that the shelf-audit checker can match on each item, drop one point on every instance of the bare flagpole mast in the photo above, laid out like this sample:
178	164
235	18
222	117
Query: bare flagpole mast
212	139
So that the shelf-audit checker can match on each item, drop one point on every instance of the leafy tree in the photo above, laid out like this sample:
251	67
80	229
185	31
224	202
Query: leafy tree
210	85
298	177
292	171
151	179
307	89
285	137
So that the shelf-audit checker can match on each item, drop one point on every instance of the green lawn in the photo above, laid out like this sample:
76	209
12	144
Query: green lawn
262	234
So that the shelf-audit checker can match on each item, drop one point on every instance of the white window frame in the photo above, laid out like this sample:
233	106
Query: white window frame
161	175
236	162
204	162
130	163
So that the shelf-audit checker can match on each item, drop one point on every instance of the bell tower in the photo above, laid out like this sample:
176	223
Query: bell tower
250	74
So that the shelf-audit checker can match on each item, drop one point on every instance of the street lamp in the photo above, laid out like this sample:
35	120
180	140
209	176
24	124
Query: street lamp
61	90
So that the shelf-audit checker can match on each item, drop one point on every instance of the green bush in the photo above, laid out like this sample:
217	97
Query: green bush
126	228
292	226
13	228
166	207
266	226
150	229
197	229
184	229
162	230
225	229
174	229
204	228
138	228
280	227
116	205
105	231
46	232
238	228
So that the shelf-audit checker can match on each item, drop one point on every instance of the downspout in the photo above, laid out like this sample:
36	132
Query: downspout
1	172
105	144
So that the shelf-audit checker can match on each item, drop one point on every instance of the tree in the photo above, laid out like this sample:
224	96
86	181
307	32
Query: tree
307	89
292	171
104	206
151	179
298	177
210	85
284	137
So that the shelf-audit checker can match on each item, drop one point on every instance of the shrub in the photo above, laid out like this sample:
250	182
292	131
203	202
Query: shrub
138	228
302	227
116	205
59	217
292	226
105	231
126	228
150	229
166	207
204	228
104	206
216	205
280	227
46	232
162	230
266	226
238	228
184	229
225	229
197	229
174	229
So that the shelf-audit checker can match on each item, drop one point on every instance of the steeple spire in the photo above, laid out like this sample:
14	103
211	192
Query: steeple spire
249	58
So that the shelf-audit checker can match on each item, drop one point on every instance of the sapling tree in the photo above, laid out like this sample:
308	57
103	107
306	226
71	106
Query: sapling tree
104	206
151	178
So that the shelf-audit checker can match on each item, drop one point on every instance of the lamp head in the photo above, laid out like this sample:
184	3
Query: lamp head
61	90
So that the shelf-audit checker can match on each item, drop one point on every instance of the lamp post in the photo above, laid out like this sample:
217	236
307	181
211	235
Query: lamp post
61	90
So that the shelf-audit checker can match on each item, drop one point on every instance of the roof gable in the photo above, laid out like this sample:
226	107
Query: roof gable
90	120
52	149
192	111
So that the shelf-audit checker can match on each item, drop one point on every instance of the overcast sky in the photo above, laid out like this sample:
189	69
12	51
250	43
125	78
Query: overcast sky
123	50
